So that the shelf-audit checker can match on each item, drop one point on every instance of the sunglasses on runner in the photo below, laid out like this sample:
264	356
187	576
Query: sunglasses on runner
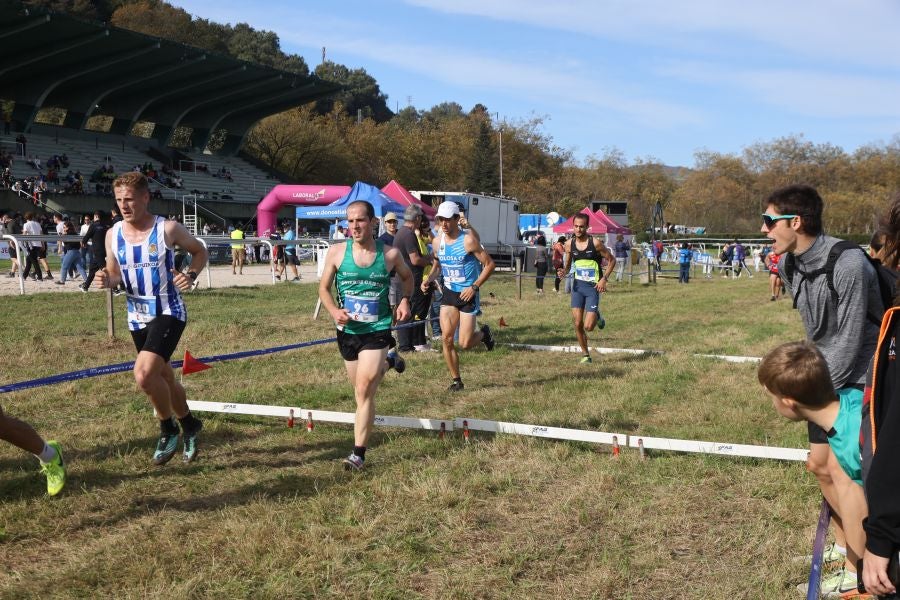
770	220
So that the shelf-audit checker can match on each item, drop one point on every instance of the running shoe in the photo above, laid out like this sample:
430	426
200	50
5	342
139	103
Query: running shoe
456	386
55	470
585	360
831	554
423	348
396	361
58	282
601	323
835	586
487	337
190	442
165	448
354	463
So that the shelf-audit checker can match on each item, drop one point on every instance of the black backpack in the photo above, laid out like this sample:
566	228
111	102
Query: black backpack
887	278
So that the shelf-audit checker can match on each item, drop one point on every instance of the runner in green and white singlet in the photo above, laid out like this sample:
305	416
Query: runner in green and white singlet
361	267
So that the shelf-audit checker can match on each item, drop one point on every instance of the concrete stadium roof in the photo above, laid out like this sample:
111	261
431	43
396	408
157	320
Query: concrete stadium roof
53	60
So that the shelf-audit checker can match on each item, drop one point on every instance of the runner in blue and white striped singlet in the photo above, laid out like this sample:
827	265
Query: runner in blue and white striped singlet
147	274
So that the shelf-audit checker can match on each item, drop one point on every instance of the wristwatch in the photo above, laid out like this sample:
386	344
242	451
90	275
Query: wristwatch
192	275
474	286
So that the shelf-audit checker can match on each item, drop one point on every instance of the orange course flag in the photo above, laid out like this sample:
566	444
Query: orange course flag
503	322
192	365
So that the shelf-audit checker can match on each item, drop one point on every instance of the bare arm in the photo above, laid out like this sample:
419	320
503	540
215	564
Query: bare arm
177	235
332	261
473	246
610	263
109	276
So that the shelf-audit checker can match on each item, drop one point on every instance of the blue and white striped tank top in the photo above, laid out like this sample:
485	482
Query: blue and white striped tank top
147	274
459	268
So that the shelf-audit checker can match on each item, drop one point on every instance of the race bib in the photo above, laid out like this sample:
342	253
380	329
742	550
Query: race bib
454	275
586	274
141	309
364	310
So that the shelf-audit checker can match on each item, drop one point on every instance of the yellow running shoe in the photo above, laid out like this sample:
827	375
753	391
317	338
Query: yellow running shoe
55	470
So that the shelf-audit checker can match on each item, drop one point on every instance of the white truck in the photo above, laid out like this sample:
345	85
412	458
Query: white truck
496	220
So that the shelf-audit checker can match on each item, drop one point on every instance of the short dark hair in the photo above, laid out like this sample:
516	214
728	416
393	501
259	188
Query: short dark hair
802	200
370	210
581	215
797	370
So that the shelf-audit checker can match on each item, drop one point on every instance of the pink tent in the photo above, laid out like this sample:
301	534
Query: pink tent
400	194
595	224
612	225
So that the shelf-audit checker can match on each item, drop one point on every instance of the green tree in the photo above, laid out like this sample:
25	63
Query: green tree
360	93
484	175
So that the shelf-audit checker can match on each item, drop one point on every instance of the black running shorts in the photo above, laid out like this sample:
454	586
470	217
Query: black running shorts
351	344
160	336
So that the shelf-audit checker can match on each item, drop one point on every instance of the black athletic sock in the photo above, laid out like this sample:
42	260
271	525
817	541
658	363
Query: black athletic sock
360	451
189	422
390	361
457	380
168	426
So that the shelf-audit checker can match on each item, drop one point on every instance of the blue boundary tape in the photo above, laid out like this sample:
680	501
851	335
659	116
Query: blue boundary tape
176	364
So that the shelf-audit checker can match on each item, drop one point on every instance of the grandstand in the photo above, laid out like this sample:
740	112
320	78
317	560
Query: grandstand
56	61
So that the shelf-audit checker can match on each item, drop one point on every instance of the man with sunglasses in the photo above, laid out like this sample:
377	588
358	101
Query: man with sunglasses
465	266
836	321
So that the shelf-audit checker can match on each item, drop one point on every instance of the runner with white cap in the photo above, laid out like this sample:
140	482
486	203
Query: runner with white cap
465	266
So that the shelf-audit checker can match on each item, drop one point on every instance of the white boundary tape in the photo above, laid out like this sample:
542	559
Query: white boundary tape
797	454
541	431
556	433
321	416
599	350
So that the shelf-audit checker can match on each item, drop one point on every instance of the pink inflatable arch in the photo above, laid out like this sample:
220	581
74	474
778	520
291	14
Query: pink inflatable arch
293	195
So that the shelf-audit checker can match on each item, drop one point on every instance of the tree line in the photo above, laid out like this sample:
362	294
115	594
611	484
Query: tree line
353	135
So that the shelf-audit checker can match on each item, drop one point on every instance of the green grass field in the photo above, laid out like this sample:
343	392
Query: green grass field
267	511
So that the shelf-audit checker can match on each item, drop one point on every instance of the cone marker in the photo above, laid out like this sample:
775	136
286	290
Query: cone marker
615	446
291	418
466	431
309	421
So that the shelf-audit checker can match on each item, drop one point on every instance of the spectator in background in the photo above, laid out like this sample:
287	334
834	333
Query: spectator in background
622	251
684	263
237	251
96	235
72	256
881	424
738	260
85	248
775	285
390	230
406	242
339	234
31	227
290	254
558	254
540	261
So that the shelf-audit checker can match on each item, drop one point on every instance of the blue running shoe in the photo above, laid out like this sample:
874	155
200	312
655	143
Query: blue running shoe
165	447
190	443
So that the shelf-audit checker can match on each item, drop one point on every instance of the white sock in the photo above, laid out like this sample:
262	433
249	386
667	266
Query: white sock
47	454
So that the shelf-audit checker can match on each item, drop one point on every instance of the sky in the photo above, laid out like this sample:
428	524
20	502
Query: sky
655	80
